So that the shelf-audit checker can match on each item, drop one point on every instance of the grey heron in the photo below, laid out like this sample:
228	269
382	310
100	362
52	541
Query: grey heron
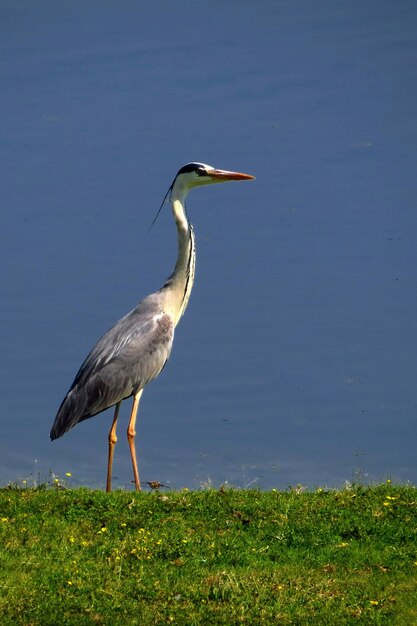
136	348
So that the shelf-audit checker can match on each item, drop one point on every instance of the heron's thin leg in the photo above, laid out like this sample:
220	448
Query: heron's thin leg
131	438
112	443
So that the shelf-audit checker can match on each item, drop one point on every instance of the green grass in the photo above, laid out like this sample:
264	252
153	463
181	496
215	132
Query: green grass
223	556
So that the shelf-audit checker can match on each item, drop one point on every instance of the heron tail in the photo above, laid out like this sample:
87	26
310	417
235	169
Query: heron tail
69	414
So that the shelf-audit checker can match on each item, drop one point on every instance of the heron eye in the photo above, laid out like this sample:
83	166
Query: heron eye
201	171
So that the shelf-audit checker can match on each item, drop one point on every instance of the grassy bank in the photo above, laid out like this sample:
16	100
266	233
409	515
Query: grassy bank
209	557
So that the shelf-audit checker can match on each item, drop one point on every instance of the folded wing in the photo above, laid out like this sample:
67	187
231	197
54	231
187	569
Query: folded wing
123	361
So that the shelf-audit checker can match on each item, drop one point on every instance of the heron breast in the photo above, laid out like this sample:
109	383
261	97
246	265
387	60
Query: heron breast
163	332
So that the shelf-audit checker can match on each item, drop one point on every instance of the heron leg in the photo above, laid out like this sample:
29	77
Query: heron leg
131	438
112	443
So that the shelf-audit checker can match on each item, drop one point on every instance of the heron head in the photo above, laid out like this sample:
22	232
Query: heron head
194	175
197	174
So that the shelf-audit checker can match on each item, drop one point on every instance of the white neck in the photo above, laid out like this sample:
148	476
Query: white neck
177	288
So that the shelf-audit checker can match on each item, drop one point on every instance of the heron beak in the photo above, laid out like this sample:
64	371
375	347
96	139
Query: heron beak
223	175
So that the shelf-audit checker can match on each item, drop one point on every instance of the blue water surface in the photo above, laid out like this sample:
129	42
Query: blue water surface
296	361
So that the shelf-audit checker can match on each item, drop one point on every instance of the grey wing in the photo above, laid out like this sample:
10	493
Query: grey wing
123	361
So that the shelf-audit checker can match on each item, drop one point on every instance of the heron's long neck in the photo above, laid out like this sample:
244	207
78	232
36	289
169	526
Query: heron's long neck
177	288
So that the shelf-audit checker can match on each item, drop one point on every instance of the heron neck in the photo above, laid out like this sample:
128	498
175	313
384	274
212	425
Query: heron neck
177	288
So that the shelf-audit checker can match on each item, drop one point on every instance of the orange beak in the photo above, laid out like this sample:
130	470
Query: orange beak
224	175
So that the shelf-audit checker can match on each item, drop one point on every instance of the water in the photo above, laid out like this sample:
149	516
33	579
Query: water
296	360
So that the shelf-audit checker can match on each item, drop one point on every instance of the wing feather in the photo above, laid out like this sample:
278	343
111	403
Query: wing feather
122	362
